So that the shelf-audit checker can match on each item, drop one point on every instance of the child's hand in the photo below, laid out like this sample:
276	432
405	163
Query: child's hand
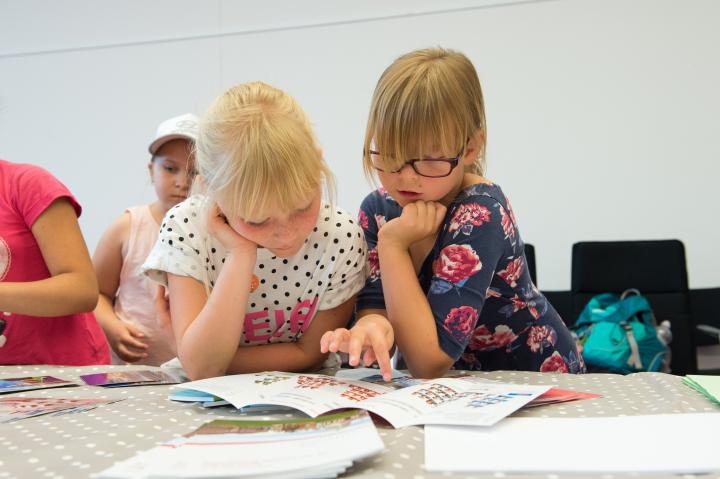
125	341
372	336
418	221
230	239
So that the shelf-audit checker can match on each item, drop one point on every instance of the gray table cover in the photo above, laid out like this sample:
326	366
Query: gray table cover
78	445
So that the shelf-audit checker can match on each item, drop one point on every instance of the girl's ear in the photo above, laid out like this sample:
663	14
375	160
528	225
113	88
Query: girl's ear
150	171
474	147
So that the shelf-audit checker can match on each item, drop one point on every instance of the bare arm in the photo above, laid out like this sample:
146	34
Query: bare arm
108	261
208	328
299	356
72	286
407	305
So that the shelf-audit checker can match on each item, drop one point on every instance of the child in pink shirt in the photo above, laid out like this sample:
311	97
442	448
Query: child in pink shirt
47	285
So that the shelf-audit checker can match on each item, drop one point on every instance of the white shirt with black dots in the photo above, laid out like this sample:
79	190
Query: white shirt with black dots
287	292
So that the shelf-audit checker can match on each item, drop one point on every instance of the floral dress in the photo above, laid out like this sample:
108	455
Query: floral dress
488	313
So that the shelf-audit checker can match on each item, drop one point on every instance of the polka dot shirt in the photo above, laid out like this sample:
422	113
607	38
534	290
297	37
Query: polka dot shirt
286	292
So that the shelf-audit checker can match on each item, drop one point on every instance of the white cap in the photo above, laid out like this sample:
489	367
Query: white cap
183	126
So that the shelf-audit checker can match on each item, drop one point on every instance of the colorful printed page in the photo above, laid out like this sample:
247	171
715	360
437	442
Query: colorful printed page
13	409
555	395
287	448
465	400
128	378
11	385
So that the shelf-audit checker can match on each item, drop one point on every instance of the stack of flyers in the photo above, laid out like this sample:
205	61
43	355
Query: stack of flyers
15	408
116	379
288	448
11	385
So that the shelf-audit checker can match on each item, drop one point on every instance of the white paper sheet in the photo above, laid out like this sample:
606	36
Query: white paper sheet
664	443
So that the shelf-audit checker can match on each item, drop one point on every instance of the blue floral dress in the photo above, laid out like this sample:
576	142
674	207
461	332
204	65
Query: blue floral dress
488	313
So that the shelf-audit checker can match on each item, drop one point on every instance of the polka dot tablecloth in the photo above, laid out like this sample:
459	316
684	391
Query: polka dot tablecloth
79	445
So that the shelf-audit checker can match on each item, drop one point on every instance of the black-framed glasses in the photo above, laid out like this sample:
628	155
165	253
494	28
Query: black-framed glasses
428	167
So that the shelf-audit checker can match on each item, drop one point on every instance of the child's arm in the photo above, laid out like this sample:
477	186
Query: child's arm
208	328
408	309
124	338
298	356
72	286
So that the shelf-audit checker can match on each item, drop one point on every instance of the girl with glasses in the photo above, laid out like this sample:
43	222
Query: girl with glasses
448	278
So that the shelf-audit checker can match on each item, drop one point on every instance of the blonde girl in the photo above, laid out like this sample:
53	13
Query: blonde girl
448	278
259	265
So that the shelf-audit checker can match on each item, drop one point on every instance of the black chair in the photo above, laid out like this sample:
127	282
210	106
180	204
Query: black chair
657	269
530	262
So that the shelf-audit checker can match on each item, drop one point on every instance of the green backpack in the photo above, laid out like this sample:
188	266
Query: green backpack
618	333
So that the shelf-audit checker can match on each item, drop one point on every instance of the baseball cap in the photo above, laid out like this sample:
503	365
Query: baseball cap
183	127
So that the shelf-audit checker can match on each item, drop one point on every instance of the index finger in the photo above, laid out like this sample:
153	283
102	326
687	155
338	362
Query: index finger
382	354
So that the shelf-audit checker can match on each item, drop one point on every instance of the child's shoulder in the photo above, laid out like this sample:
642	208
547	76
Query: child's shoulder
486	193
26	177
333	219
188	210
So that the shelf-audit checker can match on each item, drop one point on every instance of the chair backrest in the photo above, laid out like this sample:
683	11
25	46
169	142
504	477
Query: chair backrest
656	268
530	261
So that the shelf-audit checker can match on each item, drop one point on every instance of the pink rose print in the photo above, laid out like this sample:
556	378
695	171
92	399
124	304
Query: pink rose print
503	336
374	263
469	215
513	271
538	335
554	364
459	321
363	220
456	263
482	339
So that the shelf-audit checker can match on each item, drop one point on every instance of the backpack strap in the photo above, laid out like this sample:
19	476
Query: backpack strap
634	360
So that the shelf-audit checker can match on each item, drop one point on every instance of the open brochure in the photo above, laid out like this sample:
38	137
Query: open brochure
285	448
404	401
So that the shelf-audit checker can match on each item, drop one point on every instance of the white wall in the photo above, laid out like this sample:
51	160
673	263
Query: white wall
603	114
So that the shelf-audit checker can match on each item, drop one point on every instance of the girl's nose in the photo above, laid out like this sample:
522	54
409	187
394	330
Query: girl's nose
184	180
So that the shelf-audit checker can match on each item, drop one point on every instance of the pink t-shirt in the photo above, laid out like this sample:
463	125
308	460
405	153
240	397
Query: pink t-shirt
25	192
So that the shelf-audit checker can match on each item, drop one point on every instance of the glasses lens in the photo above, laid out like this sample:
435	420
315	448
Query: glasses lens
433	168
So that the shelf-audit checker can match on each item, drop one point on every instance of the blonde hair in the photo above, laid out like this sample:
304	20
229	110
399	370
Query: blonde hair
256	151
428	98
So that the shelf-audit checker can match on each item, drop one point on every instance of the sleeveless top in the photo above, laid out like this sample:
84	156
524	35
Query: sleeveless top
135	301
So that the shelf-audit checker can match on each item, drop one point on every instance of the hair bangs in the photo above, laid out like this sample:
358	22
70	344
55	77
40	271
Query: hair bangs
282	168
426	102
